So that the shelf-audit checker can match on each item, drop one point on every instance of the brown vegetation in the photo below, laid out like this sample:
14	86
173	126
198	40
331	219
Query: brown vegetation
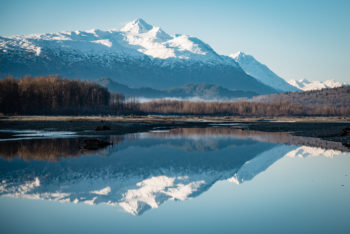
244	108
51	95
336	97
54	95
325	102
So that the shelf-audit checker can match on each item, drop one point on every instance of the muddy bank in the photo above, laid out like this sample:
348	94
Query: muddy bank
89	128
330	129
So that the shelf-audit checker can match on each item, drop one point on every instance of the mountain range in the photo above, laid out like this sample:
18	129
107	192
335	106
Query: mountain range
201	91
143	60
307	85
138	55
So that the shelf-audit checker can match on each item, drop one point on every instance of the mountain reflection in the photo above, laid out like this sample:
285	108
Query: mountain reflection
143	170
200	139
273	137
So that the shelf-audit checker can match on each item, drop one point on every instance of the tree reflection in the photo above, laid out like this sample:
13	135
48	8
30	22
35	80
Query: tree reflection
60	148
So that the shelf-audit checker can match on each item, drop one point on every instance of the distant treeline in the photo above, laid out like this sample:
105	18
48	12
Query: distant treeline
325	102
54	95
336	97
243	108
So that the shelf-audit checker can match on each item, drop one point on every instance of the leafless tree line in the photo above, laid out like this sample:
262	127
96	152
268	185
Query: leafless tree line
338	97
54	95
51	95
242	108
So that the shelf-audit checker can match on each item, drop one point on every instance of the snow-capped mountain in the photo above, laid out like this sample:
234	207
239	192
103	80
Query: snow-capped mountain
307	85
262	73
137	55
135	39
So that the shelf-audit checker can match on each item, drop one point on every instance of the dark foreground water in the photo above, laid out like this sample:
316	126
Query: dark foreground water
199	180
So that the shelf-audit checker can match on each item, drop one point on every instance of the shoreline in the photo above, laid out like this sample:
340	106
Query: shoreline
324	128
174	118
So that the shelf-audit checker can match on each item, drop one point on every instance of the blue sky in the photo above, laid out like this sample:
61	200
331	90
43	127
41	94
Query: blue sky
296	39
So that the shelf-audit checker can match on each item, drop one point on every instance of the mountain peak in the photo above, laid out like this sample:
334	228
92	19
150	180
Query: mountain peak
261	72
307	85
240	56
137	26
237	55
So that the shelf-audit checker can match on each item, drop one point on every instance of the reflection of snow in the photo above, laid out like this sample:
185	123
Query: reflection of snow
28	190
21	189
306	151
260	163
155	190
45	134
104	191
29	134
159	131
149	193
29	185
90	202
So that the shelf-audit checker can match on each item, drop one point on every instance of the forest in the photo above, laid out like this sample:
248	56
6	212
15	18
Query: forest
337	97
242	108
53	95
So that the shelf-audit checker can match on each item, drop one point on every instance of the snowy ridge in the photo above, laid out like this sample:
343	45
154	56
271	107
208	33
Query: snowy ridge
307	85
138	55
136	38
261	72
134	195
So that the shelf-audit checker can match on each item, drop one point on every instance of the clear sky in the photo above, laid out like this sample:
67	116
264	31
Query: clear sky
295	38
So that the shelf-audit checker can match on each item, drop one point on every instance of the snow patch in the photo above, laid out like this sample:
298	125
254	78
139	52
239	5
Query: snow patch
307	85
104	42
90	202
306	151
155	190
104	191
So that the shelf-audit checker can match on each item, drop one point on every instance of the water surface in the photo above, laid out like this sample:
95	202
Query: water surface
188	180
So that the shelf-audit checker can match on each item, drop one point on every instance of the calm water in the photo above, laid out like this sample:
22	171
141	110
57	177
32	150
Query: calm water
199	180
